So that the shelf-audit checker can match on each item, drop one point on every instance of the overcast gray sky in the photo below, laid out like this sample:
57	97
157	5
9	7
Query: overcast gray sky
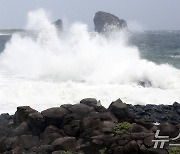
140	14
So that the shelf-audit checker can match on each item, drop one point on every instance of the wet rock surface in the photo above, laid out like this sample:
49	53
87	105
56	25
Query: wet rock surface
88	128
105	22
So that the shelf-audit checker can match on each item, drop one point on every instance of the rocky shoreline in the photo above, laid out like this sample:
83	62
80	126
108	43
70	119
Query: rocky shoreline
88	127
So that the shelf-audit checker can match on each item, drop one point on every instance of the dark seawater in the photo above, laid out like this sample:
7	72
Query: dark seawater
3	41
158	46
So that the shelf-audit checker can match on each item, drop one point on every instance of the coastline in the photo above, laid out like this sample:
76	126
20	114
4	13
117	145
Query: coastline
88	127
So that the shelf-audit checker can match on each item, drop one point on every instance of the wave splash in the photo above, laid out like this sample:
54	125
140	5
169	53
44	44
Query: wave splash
84	64
79	55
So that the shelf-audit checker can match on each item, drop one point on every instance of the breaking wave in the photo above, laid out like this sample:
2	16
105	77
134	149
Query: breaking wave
76	63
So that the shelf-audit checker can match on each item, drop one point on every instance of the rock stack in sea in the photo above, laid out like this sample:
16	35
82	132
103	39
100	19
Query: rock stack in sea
88	127
105	22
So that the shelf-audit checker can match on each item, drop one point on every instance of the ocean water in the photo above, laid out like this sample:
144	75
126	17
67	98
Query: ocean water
44	68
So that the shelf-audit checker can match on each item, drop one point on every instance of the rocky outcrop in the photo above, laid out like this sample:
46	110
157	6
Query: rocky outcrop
88	128
59	24
156	113
105	22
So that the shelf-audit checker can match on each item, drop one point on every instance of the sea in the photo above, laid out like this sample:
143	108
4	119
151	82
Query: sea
42	67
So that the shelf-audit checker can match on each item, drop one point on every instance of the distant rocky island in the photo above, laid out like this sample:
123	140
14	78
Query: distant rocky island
103	23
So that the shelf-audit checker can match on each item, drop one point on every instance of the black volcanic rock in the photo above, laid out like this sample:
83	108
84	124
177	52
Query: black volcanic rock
36	123
64	143
54	116
105	21
50	134
90	102
59	24
84	128
22	114
119	110
81	109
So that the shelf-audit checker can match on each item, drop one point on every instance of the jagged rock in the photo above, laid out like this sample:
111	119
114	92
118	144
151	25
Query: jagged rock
118	150
50	134
9	143
119	110
89	122
2	140
73	128
36	123
28	141
90	102
16	150
107	127
4	118
66	106
131	148
104	22
69	118
64	143
59	24
84	128
43	149
81	109
6	122
54	116
138	128
22	129
148	125
22	114
100	109
167	129
156	113
92	131
104	116
148	141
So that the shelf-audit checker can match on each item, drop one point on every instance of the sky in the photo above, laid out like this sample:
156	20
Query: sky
139	14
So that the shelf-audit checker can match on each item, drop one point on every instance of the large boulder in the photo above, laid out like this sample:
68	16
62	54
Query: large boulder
104	22
22	129
28	141
73	128
6	121
8	144
54	116
81	109
36	123
64	143
22	114
90	102
119	110
50	134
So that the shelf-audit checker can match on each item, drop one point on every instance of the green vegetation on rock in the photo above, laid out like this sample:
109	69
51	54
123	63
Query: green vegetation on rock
102	151
174	150
122	127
